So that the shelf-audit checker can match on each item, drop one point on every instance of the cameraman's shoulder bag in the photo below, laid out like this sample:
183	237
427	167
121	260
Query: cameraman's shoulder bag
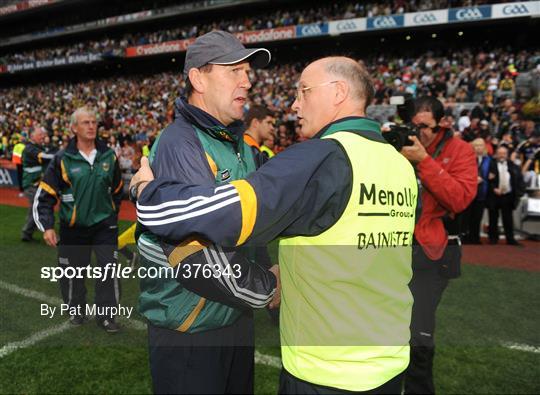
450	263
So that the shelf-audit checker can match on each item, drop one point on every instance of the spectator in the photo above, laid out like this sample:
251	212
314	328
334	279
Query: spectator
34	162
464	121
505	189
529	155
126	156
475	211
115	146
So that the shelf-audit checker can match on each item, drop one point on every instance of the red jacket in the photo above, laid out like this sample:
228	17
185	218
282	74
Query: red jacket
449	185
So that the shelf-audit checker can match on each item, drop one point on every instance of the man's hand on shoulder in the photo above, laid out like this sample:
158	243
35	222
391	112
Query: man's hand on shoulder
143	176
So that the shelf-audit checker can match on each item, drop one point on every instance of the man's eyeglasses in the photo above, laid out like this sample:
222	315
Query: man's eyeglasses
300	91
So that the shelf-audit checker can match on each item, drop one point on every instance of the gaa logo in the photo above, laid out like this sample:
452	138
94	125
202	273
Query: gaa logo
468	14
311	30
515	9
425	18
384	22
346	26
5	178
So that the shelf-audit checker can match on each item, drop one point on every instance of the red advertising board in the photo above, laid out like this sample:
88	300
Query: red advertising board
153	49
256	36
259	36
8	9
23	5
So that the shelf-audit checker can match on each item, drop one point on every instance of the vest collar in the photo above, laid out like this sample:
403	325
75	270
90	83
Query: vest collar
360	125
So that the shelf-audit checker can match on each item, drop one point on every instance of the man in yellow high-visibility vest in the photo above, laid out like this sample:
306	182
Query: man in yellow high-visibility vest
344	205
16	159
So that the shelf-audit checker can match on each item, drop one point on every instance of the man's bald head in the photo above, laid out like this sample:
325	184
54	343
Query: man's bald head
329	89
343	68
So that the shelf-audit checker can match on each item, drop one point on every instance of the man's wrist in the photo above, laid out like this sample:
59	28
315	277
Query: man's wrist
141	186
423	158
135	190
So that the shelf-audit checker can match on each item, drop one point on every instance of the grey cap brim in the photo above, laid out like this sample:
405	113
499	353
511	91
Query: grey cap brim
260	57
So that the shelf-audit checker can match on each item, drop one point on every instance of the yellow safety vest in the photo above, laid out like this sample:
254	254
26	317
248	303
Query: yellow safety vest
17	153
346	305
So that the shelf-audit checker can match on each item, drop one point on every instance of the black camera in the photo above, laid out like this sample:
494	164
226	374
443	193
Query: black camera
398	135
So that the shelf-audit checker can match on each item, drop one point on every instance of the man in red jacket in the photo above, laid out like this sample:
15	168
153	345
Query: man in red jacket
446	167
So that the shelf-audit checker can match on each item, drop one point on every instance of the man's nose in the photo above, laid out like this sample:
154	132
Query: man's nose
245	83
295	106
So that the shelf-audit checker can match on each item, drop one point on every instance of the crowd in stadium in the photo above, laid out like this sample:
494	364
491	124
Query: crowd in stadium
139	107
109	46
134	109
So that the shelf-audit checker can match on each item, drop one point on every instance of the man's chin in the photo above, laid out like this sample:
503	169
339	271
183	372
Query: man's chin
238	114
306	133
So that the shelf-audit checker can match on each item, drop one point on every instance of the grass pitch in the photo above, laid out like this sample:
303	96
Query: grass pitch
487	332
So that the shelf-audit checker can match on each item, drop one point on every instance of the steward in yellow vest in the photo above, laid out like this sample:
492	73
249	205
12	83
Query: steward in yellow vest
343	205
17	153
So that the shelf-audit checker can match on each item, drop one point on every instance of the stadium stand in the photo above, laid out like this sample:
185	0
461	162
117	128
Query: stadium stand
135	94
297	15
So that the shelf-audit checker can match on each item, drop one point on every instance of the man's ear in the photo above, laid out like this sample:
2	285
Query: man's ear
445	123
196	79
342	91
255	123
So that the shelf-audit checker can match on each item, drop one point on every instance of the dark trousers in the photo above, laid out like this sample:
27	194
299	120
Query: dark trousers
475	213
505	204
289	384
75	250
427	287
20	176
219	361
29	225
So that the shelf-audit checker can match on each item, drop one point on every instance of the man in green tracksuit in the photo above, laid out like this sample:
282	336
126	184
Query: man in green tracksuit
343	204
197	345
34	161
86	178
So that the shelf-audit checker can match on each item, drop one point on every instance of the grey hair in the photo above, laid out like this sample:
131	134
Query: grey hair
37	129
81	110
356	75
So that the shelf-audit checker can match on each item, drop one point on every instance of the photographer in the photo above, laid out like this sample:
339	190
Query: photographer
446	167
